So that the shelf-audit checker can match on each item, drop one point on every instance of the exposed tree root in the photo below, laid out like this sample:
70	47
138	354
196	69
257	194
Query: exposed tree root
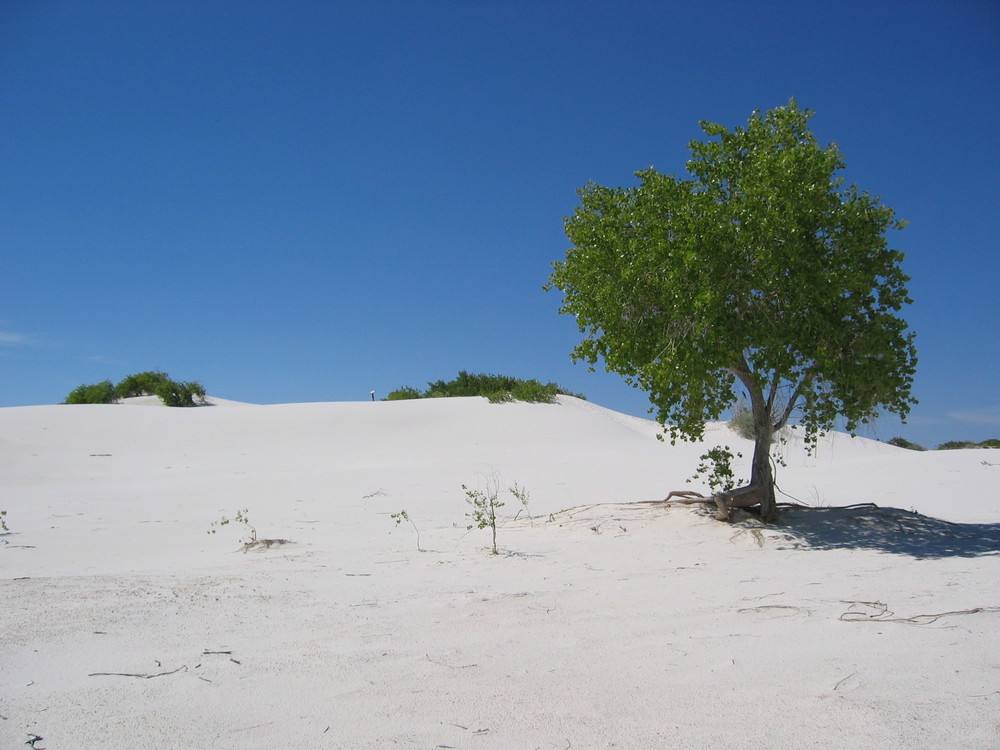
726	502
259	544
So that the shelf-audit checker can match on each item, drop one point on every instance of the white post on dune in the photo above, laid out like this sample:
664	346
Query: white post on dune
372	394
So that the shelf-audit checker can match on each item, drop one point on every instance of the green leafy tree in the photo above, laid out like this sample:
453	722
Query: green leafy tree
761	272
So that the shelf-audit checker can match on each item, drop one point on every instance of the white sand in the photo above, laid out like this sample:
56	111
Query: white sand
603	623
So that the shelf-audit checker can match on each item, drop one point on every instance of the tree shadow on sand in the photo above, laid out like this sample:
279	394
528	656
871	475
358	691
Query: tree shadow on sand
891	530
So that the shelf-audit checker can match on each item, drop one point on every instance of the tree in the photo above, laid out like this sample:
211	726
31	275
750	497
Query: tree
762	272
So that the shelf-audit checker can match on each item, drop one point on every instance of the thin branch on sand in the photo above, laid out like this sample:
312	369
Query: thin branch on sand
449	666
181	668
882	613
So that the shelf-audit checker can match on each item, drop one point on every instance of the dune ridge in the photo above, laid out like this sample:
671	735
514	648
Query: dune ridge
608	620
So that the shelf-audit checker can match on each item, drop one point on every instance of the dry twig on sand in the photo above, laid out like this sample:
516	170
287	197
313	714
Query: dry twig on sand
181	668
880	612
449	666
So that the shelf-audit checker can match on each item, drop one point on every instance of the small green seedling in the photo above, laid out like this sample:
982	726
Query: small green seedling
404	516
484	508
241	517
522	495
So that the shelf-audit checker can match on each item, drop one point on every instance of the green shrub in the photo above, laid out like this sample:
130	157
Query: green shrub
953	445
904	443
180	394
98	393
534	392
498	389
468	384
960	444
141	384
403	393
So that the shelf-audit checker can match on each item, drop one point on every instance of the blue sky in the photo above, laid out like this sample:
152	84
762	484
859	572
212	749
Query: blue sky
304	201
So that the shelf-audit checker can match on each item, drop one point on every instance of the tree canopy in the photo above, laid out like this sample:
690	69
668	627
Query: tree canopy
760	271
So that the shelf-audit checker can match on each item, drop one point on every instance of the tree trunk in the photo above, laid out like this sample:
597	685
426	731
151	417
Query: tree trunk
761	474
762	477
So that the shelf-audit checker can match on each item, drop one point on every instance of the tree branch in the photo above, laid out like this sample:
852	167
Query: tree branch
773	392
742	371
792	400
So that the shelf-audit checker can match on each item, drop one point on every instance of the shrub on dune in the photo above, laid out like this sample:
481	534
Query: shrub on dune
141	384
97	393
498	389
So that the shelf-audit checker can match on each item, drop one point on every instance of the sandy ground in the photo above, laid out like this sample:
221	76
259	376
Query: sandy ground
604	622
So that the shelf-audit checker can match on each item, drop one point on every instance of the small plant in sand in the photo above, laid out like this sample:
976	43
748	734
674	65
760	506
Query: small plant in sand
404	516
717	465
522	496
3	521
485	504
241	517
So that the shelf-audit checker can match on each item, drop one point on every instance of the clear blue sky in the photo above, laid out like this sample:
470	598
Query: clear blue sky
304	201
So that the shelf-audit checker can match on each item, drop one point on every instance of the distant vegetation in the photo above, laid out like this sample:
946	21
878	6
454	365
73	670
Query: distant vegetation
904	443
98	393
949	446
956	444
141	384
497	388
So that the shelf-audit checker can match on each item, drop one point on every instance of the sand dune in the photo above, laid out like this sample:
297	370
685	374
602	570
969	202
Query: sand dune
605	621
